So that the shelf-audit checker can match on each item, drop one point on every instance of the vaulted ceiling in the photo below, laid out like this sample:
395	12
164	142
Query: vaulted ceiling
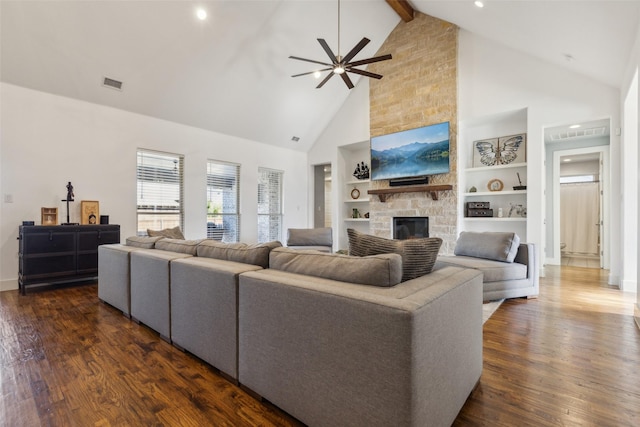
231	73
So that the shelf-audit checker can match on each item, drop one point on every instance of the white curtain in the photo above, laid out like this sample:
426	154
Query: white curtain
580	214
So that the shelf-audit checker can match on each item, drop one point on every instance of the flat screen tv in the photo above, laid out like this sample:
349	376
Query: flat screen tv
411	153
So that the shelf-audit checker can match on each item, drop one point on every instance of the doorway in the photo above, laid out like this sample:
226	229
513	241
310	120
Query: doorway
322	196
577	195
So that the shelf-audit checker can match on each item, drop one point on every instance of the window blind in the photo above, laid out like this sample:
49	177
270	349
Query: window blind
160	182
269	205
223	195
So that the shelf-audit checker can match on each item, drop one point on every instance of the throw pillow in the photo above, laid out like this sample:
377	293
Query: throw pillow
144	242
418	255
384	270
170	233
498	246
257	254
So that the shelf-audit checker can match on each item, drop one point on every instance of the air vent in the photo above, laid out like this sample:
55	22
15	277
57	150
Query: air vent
295	138
578	133
111	83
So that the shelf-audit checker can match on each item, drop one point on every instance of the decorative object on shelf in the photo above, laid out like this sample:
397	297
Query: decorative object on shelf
479	209
90	211
517	210
48	216
500	213
519	187
69	198
500	151
361	171
366	215
473	190
495	185
355	213
355	193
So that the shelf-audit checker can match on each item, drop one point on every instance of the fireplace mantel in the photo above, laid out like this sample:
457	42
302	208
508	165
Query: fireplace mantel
433	190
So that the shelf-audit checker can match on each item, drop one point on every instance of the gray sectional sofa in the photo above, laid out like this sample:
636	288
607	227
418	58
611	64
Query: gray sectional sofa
331	339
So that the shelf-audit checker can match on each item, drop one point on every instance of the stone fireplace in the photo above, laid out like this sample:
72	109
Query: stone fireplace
410	227
419	88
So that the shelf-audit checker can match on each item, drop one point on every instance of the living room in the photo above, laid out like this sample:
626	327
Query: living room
49	140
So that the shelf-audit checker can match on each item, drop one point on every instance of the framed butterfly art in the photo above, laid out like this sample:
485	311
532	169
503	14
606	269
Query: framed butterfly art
500	151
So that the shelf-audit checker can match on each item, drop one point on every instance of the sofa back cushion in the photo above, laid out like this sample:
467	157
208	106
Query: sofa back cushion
309	237
498	246
377	270
257	254
144	242
170	233
178	245
418	255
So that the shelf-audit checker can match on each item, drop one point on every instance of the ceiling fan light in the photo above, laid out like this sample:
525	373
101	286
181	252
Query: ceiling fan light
317	74
338	70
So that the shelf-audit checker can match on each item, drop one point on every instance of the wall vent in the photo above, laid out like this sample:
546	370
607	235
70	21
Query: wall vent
111	83
578	133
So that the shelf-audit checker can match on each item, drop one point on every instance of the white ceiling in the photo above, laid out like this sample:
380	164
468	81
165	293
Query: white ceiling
231	73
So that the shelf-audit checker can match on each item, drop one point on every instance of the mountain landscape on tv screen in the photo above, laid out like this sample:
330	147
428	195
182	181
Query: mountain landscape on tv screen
416	158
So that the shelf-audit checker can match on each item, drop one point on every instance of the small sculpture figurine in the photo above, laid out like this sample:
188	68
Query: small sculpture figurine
69	192
517	210
361	171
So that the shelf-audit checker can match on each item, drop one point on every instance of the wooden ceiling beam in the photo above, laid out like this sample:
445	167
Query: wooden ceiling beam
402	8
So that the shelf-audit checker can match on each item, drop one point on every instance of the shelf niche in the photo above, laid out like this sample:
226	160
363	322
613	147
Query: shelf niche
433	190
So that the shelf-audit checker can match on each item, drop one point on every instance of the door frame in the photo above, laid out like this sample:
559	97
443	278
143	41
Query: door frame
605	184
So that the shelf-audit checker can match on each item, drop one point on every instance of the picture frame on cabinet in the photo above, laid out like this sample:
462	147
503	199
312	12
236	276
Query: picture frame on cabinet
90	212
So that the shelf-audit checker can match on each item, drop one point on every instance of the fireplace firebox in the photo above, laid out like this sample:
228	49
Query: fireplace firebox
410	227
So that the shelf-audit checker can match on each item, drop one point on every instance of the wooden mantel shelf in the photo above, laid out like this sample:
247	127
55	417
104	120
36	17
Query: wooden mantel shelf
433	190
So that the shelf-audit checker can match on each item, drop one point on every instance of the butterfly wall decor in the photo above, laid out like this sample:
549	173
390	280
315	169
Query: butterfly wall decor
500	151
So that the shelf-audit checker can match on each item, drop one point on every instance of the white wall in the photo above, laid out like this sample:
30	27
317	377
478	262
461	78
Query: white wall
494	79
48	140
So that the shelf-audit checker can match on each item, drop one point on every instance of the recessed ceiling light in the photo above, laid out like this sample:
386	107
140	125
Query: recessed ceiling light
201	14
574	126
566	160
478	3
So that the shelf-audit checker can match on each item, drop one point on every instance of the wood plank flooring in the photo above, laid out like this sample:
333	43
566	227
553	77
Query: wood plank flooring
570	357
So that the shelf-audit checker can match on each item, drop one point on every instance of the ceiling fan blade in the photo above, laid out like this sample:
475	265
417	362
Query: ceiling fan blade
327	49
365	41
347	80
310	60
370	60
326	79
311	72
364	73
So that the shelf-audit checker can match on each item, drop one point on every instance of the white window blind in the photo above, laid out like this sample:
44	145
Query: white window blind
223	195
269	205
160	179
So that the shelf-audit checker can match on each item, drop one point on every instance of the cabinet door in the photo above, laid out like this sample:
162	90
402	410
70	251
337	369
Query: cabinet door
47	254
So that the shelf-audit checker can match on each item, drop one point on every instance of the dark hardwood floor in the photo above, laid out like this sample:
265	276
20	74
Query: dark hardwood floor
569	358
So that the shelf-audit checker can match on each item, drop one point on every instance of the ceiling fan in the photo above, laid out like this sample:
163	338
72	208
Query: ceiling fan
341	65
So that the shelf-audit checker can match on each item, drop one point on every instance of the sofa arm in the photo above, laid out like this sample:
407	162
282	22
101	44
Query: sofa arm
527	255
336	353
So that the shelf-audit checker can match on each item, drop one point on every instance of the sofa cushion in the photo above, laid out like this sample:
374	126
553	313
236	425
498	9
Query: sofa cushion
377	270
171	233
178	245
144	242
499	246
418	255
493	271
257	254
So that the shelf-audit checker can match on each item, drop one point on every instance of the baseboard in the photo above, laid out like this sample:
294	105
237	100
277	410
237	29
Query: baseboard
9	285
614	280
629	286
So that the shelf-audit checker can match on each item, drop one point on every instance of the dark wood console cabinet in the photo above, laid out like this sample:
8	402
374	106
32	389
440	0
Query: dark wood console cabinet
61	253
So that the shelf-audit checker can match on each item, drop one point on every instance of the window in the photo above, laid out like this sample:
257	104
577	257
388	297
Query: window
160	188
223	193
269	205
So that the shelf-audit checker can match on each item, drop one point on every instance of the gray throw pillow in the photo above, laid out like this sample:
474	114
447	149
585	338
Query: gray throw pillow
418	255
257	254
170	233
382	270
498	246
144	242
